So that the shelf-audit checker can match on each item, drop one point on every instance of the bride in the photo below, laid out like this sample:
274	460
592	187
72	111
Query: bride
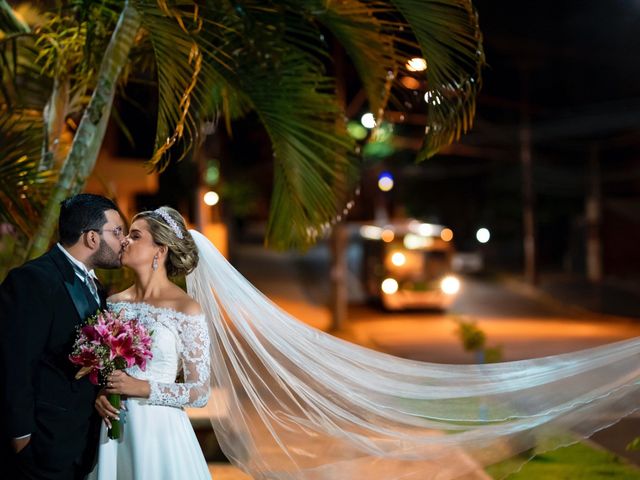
157	440
303	405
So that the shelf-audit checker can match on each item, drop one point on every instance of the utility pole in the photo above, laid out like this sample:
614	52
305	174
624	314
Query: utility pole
339	297
338	301
593	215
528	196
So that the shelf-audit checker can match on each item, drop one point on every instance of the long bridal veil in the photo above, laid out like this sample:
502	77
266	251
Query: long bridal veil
301	404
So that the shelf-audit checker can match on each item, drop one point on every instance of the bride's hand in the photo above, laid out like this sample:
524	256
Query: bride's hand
120	382
107	411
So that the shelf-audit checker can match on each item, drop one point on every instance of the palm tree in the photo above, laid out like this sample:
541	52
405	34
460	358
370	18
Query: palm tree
228	57
24	187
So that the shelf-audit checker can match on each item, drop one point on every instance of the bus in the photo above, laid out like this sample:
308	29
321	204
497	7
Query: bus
408	264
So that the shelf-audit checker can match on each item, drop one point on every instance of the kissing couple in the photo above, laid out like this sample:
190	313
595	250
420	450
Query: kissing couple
50	422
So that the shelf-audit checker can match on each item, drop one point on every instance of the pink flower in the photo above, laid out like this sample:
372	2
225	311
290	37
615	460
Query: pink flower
108	339
121	346
86	357
101	330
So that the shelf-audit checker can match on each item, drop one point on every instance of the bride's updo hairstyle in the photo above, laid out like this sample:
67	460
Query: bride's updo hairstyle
168	228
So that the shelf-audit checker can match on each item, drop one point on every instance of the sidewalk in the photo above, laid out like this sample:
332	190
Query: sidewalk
612	297
611	301
225	471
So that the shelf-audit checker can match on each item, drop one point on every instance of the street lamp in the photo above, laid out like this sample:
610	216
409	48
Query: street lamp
483	235
389	286
211	198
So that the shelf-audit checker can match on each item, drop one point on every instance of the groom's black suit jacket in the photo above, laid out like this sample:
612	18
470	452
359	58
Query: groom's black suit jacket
41	304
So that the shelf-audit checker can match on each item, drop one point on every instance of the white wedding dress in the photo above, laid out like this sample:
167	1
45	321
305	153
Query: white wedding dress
157	441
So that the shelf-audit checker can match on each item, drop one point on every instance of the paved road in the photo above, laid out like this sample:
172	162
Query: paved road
525	323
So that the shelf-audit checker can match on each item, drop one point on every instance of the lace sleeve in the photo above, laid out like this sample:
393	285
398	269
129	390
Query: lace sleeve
194	392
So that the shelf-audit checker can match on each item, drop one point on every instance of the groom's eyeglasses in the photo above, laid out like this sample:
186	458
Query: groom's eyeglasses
118	232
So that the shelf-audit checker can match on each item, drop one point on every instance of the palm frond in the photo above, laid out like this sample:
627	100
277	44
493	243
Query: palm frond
314	159
23	187
21	84
361	28
279	67
380	36
449	35
185	81
9	23
23	94
271	57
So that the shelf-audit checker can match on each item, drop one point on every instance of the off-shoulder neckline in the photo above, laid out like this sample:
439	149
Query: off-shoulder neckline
156	308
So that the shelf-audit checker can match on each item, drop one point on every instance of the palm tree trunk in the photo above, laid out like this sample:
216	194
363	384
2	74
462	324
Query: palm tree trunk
7	17
54	115
87	141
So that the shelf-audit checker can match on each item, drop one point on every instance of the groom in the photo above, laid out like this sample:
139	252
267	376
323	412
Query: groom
48	425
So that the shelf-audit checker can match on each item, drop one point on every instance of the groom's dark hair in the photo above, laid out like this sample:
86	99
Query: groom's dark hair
81	213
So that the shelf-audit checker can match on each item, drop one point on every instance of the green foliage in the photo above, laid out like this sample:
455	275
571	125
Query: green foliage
24	187
9	23
451	41
24	183
471	336
634	444
242	196
474	340
578	461
224	59
493	354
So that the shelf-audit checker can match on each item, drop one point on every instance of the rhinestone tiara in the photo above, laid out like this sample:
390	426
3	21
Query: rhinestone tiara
169	221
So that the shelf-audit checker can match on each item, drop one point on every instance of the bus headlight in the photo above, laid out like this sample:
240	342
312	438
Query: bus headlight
389	286
450	285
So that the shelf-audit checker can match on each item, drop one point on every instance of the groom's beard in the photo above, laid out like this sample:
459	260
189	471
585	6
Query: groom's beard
105	257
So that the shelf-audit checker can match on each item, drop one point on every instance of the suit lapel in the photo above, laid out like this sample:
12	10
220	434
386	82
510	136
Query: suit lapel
82	299
102	294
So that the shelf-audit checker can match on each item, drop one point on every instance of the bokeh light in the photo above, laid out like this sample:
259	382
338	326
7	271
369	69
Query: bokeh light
385	181
211	198
483	235
416	64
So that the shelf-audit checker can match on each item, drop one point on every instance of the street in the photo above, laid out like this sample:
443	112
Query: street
524	322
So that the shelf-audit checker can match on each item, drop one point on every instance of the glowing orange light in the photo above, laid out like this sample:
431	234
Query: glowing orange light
410	83
388	236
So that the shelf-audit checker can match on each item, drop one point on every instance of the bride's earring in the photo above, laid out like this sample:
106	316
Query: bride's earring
154	265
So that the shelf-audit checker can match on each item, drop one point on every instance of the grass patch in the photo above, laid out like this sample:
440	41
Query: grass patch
579	461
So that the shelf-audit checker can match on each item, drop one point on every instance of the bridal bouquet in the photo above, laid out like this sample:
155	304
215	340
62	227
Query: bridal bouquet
106	343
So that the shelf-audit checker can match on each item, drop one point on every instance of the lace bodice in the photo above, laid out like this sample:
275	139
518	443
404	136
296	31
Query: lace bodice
180	345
